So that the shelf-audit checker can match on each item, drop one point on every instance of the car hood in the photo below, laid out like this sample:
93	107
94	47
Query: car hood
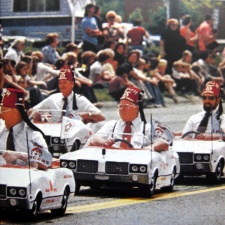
132	156
198	146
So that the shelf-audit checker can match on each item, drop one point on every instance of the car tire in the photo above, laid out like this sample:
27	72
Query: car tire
148	190
216	176
32	213
172	181
61	211
76	146
77	189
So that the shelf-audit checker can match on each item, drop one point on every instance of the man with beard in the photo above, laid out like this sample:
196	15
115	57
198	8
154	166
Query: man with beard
210	123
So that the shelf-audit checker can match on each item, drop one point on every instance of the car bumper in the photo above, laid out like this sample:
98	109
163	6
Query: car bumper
14	203
197	168
132	179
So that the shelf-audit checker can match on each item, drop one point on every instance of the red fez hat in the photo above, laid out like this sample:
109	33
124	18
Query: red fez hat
212	87
132	94
12	97
66	73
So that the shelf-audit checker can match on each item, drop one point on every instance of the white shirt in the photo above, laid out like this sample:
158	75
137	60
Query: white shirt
213	124
56	102
25	139
43	70
114	129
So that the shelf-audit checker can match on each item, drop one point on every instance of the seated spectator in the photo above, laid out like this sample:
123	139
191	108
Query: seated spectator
15	51
120	51
119	83
166	82
99	77
49	51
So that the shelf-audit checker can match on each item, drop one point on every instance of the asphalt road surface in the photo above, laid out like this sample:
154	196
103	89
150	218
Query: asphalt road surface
193	201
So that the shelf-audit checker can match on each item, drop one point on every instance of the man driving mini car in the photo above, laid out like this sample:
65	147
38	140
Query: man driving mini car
19	135
68	101
210	123
131	124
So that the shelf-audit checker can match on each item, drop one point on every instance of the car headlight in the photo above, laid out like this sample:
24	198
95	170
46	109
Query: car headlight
22	192
138	168
201	157
17	192
72	165
55	140
64	164
143	169
12	191
134	168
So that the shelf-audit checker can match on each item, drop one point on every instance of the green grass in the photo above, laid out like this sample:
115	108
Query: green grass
102	95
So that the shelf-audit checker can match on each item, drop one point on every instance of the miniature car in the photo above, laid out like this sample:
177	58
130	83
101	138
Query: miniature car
25	188
201	157
99	166
63	134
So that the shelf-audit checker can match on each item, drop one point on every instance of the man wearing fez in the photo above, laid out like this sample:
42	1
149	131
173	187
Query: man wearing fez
69	101
19	135
132	121
209	123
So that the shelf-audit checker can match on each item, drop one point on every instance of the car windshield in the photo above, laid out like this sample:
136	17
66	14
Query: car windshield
119	140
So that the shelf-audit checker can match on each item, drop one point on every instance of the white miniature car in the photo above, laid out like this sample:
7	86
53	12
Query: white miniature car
200	157
98	166
63	134
32	190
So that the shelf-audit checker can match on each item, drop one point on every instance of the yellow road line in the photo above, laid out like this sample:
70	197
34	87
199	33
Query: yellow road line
132	201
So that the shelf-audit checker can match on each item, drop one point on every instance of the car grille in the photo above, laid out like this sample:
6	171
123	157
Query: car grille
2	191
116	168
186	157
89	166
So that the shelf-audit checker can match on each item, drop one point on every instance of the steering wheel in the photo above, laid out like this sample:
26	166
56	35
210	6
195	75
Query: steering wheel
125	141
190	132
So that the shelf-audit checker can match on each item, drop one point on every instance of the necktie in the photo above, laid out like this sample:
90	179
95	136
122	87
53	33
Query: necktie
64	106
9	142
126	134
203	124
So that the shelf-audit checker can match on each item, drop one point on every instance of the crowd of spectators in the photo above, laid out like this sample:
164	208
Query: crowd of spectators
114	60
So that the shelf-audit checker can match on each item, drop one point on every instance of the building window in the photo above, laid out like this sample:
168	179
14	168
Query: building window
36	5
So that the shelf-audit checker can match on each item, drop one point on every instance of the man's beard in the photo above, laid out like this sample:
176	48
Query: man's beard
208	108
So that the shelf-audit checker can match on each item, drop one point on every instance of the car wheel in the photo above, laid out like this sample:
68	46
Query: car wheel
76	145
148	190
32	213
77	189
216	176
61	211
172	181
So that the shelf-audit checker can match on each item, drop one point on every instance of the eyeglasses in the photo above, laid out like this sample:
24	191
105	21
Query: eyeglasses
126	106
111	17
211	98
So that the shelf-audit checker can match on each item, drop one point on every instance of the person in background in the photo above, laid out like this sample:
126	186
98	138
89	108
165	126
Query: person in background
90	30
120	53
172	44
114	30
132	117
189	35
19	134
119	83
15	51
135	36
206	35
49	51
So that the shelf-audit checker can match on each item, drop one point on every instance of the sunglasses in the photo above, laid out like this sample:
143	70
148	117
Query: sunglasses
211	98
111	17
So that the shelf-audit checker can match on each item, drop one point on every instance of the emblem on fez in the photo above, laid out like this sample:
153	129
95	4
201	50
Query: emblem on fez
63	74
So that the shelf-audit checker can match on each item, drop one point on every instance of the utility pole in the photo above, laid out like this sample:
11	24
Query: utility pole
173	9
73	21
